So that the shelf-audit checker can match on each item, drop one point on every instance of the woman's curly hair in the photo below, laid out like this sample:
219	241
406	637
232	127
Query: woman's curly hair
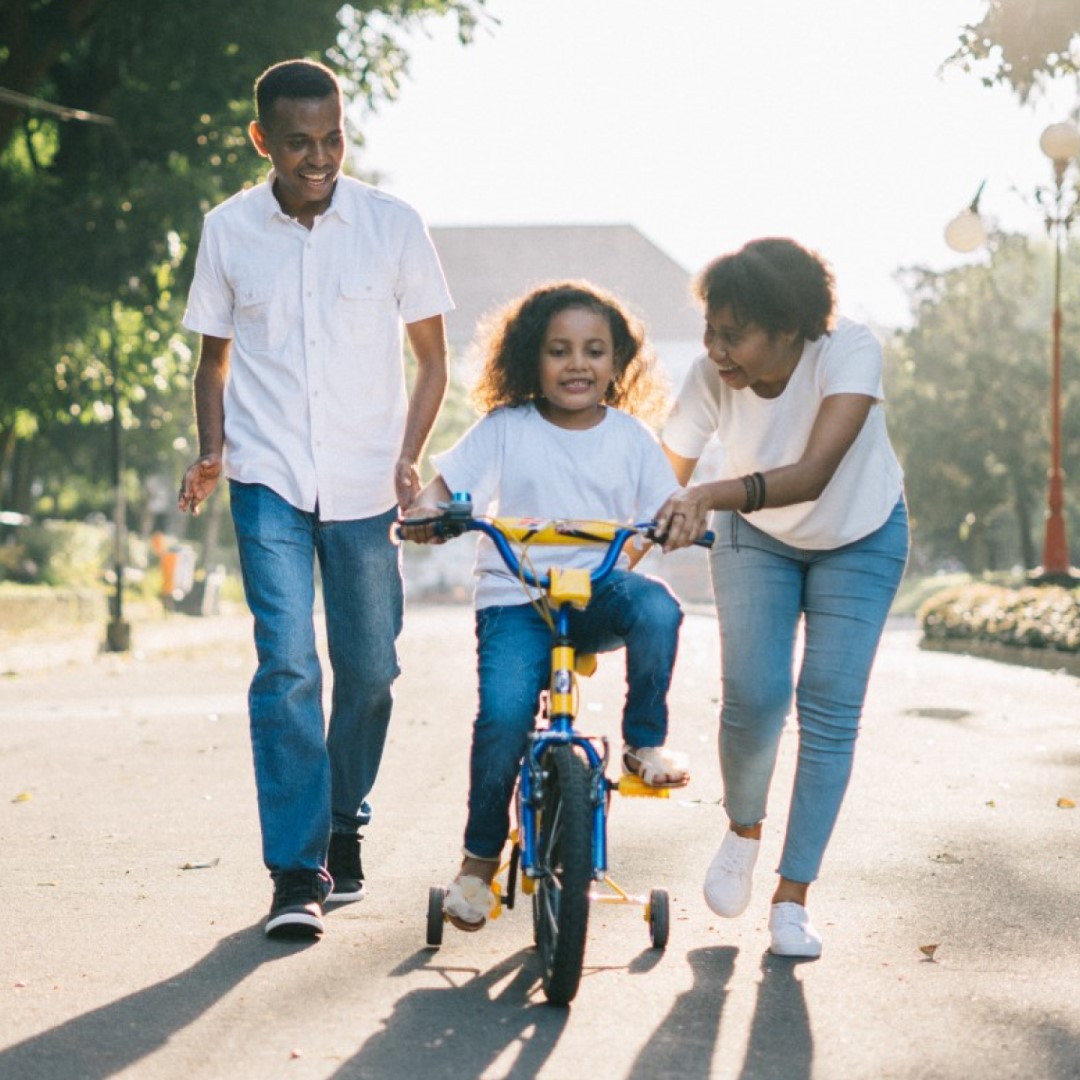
511	339
773	283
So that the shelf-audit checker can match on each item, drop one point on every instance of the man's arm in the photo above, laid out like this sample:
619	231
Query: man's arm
428	340
202	476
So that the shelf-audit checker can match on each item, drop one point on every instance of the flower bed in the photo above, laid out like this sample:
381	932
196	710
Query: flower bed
1033	617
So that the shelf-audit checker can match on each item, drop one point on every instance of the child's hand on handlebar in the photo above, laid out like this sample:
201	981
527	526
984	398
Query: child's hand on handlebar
425	530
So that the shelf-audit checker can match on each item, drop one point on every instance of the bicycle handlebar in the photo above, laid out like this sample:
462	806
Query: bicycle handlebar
457	518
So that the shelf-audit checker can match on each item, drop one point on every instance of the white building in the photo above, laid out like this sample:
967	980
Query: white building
488	265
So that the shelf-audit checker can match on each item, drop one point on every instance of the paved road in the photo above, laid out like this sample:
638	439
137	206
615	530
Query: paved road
131	892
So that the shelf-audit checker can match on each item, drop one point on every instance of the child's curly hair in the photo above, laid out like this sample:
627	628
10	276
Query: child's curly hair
511	339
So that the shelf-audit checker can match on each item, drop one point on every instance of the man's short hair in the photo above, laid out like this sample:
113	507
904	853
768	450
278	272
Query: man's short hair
293	79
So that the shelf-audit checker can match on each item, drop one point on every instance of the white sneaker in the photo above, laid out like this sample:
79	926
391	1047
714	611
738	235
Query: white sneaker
731	875
793	933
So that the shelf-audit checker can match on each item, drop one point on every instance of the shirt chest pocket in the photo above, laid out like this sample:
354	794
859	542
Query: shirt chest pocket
363	307
259	322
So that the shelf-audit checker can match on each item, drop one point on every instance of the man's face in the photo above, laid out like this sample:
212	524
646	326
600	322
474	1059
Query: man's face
304	141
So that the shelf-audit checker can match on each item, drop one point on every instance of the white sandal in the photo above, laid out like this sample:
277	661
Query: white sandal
657	766
468	902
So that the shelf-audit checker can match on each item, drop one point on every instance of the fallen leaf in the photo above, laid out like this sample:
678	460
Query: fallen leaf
200	865
23	796
991	803
1066	804
928	951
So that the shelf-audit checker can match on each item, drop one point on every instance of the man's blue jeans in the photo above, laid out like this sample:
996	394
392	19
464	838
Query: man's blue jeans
311	780
763	589
514	660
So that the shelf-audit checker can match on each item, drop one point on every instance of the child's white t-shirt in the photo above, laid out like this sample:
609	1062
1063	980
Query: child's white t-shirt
514	463
759	434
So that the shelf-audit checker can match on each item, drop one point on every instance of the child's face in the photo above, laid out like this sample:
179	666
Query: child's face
577	364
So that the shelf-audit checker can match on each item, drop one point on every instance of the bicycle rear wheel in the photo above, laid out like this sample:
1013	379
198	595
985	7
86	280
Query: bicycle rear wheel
564	851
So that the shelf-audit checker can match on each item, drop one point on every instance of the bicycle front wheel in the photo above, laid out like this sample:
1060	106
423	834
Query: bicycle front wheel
564	852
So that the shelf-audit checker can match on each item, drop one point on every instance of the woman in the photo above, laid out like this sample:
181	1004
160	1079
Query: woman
811	527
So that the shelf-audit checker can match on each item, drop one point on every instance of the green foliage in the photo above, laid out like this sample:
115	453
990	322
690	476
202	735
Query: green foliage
67	553
1022	43
1046	617
99	223
969	403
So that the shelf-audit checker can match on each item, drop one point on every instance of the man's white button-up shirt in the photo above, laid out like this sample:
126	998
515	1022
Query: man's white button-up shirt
315	401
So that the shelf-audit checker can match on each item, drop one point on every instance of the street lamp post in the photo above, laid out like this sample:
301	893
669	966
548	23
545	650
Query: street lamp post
966	232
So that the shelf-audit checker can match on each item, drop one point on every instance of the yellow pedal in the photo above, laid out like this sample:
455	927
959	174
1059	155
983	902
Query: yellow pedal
634	787
585	664
496	904
528	885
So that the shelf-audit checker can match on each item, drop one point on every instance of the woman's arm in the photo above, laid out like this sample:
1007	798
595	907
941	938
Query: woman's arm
839	420
683	466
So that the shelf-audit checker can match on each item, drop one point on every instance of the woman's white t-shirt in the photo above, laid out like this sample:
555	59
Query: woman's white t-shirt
759	434
514	463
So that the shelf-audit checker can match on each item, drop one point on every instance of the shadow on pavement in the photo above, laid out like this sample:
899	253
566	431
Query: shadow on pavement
116	1036
462	1028
684	1043
780	1041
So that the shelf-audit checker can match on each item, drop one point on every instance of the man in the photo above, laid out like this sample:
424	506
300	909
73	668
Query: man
301	287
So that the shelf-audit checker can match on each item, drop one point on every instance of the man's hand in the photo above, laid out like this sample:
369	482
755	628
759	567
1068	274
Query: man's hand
199	482
406	482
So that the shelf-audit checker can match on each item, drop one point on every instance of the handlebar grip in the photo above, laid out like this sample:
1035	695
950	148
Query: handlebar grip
706	539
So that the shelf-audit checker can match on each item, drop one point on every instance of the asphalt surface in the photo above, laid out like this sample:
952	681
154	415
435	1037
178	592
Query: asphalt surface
132	892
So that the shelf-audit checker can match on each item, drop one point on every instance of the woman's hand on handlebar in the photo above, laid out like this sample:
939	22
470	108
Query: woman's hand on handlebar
683	518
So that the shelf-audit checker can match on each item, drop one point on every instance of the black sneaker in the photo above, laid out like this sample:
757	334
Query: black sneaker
298	906
343	862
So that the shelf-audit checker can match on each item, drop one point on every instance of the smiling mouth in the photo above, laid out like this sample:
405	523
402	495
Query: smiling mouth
577	384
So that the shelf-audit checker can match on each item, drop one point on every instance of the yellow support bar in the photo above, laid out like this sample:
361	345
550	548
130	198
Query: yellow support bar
556	530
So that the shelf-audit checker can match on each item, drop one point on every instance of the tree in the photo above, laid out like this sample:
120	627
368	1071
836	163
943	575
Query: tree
969	405
99	221
1022	43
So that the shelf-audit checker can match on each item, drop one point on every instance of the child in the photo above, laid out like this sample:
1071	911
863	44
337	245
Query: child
559	365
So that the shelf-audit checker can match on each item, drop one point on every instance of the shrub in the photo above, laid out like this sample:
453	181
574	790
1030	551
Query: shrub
1036	616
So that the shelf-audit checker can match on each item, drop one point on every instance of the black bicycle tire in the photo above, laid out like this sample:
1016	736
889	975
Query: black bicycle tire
561	898
435	917
659	918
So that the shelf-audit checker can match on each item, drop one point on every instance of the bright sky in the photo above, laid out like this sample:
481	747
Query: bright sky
706	123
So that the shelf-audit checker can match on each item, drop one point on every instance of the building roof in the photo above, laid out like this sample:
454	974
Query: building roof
487	265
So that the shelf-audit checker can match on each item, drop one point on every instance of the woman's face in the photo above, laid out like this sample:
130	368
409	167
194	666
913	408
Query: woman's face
747	356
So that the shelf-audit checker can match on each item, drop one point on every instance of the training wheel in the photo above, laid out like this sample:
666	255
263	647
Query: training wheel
659	916
435	916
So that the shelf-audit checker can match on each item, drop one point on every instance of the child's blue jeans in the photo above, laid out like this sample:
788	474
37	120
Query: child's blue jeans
763	589
514	662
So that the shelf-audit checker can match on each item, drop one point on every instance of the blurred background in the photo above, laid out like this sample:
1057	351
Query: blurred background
617	140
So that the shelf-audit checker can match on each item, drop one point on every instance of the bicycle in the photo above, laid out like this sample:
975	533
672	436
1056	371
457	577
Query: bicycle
559	848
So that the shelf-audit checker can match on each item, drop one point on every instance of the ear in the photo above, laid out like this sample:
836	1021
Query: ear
257	134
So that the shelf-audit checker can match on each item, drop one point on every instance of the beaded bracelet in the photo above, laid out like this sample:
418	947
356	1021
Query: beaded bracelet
750	487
